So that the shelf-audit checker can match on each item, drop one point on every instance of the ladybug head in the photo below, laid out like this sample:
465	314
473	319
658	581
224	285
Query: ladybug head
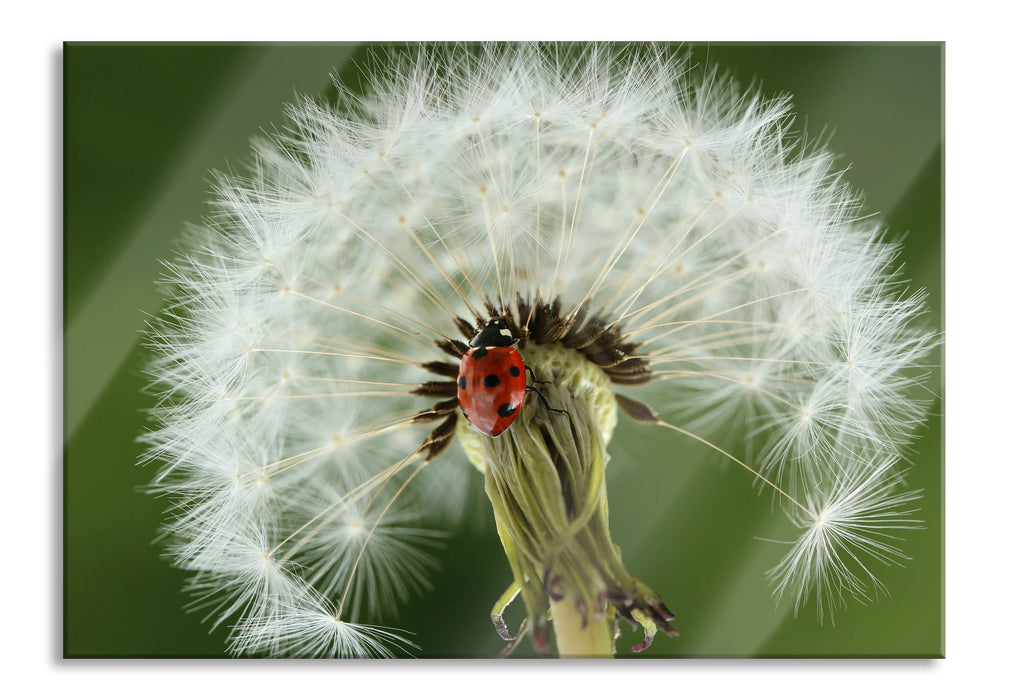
494	334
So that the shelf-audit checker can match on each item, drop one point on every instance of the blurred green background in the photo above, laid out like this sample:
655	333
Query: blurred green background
143	125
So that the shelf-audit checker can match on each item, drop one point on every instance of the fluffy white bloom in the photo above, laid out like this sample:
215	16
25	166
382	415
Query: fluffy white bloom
709	264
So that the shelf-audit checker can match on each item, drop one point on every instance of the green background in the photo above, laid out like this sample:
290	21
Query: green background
144	124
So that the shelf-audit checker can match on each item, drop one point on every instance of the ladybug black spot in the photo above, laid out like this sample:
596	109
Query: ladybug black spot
462	382
505	410
514	371
491	381
479	352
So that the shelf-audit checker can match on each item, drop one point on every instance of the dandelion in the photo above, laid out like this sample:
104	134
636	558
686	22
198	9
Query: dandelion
652	242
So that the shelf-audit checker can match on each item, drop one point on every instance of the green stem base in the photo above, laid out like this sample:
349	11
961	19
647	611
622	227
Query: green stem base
593	640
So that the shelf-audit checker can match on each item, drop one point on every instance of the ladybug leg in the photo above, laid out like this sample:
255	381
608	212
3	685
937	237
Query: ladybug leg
533	375
543	399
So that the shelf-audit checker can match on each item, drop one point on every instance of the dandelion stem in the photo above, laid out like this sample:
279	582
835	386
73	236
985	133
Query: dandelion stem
577	638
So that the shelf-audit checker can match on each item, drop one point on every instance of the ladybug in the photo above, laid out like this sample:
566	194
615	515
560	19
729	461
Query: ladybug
492	379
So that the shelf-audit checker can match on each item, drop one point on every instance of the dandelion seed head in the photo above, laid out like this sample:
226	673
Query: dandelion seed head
303	369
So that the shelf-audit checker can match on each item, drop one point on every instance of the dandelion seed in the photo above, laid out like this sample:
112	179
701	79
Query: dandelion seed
312	628
654	247
855	524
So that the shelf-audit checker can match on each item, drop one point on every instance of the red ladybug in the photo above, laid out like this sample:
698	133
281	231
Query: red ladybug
492	379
